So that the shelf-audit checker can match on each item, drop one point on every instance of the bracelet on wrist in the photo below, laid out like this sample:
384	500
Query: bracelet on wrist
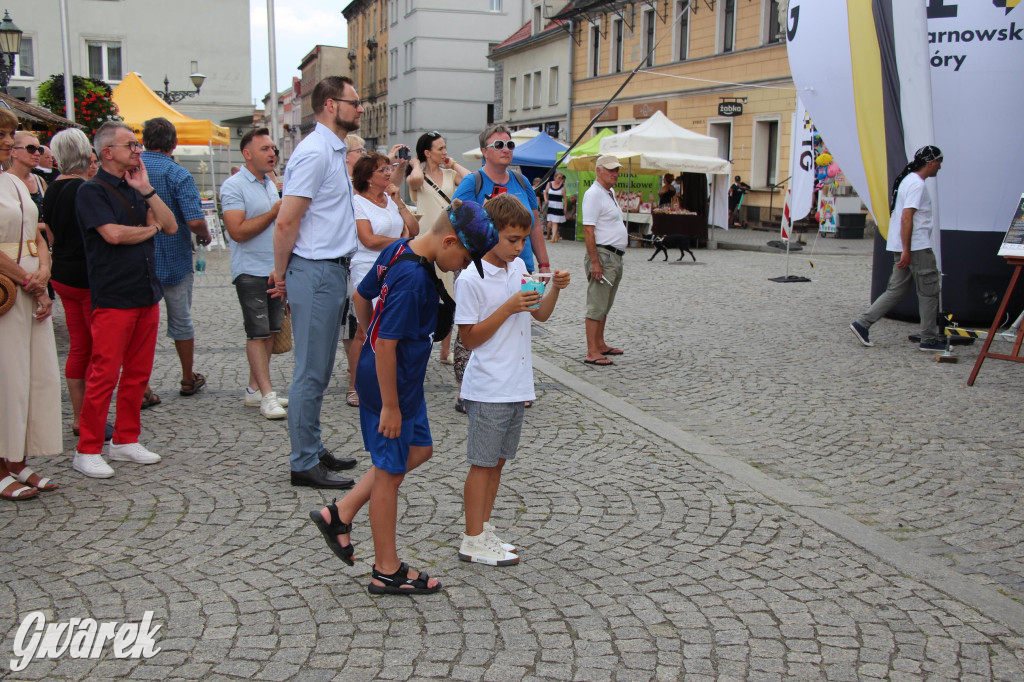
149	196
543	265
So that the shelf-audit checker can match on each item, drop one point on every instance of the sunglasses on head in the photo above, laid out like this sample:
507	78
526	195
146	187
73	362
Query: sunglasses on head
433	134
501	144
32	149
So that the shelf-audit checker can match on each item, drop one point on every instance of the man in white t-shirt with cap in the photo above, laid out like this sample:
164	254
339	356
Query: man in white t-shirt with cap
605	236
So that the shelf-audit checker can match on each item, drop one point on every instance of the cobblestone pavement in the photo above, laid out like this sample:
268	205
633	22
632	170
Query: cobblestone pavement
747	494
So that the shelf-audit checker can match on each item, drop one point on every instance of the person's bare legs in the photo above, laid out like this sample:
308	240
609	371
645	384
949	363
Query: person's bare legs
595	339
76	389
186	351
354	349
257	351
354	500
474	498
446	345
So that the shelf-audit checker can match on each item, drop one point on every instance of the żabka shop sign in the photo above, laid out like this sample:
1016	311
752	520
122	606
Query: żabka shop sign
730	108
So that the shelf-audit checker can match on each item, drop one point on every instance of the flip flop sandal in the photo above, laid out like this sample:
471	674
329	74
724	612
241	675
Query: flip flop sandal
352	398
393	583
613	351
599	362
192	387
21	492
330	532
43	485
150	400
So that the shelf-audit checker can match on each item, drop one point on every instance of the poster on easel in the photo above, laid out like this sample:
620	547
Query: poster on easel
1013	242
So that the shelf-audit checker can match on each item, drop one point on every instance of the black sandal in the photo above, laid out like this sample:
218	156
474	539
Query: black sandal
393	584
192	387
331	531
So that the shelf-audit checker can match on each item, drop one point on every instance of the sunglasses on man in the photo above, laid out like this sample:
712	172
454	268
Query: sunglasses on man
32	149
501	144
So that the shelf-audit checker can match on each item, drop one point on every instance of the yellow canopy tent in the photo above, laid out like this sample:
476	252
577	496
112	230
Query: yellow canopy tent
137	104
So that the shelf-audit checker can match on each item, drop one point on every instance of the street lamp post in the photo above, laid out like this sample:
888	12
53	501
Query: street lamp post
10	46
173	96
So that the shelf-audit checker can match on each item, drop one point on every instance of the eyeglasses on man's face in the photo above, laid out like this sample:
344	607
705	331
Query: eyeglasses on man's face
133	145
32	149
498	145
356	103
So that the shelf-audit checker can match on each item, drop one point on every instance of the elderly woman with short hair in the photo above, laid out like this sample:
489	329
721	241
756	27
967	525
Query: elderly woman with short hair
30	399
70	278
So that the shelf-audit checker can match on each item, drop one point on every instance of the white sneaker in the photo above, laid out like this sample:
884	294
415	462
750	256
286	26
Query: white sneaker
253	399
485	549
489	529
270	407
92	466
132	452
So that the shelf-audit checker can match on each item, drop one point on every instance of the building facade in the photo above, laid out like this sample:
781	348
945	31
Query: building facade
439	75
112	38
368	63
719	69
289	119
532	74
322	61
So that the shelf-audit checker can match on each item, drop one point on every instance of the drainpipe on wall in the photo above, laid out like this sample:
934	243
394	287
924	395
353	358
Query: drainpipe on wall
568	94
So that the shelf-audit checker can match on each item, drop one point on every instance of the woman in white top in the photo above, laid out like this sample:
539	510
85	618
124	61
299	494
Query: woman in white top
432	184
381	218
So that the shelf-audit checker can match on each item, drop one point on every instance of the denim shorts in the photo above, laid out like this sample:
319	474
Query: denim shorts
261	314
392	454
178	300
494	430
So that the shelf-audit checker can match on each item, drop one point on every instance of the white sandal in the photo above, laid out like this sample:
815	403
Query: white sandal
44	485
23	492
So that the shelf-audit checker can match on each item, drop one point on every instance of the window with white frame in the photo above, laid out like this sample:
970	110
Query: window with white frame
773	32
728	25
495	5
104	59
407	111
553	85
393	117
408	55
648	28
393	10
527	90
618	50
538	20
513	101
595	50
764	157
24	61
683	30
536	89
393	63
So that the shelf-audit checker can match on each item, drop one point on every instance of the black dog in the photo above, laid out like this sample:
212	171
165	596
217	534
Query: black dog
662	243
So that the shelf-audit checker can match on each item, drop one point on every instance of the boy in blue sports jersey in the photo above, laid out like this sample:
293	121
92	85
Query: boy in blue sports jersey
494	317
389	378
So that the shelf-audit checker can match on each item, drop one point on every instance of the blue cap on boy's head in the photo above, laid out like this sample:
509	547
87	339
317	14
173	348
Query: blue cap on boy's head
475	229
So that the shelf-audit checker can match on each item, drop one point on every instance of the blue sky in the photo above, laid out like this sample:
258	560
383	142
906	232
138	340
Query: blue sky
300	24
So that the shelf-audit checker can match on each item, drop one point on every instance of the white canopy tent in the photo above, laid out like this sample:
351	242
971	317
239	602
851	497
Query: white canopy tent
474	155
659	146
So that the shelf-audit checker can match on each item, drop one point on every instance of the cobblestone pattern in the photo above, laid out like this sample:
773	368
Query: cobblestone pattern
771	373
638	562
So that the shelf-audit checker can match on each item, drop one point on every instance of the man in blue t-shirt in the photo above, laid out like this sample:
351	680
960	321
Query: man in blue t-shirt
496	145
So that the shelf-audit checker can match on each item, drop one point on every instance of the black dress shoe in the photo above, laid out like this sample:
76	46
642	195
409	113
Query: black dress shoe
319	477
334	463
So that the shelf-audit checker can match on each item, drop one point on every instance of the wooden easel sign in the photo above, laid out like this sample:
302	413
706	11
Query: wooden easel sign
1012	249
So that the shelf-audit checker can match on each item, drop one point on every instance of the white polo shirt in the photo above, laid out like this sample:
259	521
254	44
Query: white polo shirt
316	170
601	210
500	370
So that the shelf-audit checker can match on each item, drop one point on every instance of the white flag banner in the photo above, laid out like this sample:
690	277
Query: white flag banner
800	197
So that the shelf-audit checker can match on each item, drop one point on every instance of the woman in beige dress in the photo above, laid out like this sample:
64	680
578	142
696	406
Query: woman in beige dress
432	184
30	418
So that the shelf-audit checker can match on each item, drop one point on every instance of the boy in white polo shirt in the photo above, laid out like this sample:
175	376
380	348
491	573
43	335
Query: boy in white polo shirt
493	315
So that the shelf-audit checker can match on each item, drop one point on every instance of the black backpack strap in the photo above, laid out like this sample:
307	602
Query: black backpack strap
437	189
110	188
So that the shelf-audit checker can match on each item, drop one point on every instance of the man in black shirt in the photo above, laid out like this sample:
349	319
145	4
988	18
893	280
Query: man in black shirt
119	213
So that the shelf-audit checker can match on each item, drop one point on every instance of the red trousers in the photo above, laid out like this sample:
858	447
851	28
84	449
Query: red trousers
123	344
78	317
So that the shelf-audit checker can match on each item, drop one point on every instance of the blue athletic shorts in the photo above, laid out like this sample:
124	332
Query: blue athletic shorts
392	454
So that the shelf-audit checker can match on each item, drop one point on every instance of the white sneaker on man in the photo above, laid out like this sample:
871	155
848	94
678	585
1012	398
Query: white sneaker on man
489	529
92	466
485	549
132	452
254	399
270	407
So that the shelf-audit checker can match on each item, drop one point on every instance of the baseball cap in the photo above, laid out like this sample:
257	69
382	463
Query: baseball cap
475	229
608	162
